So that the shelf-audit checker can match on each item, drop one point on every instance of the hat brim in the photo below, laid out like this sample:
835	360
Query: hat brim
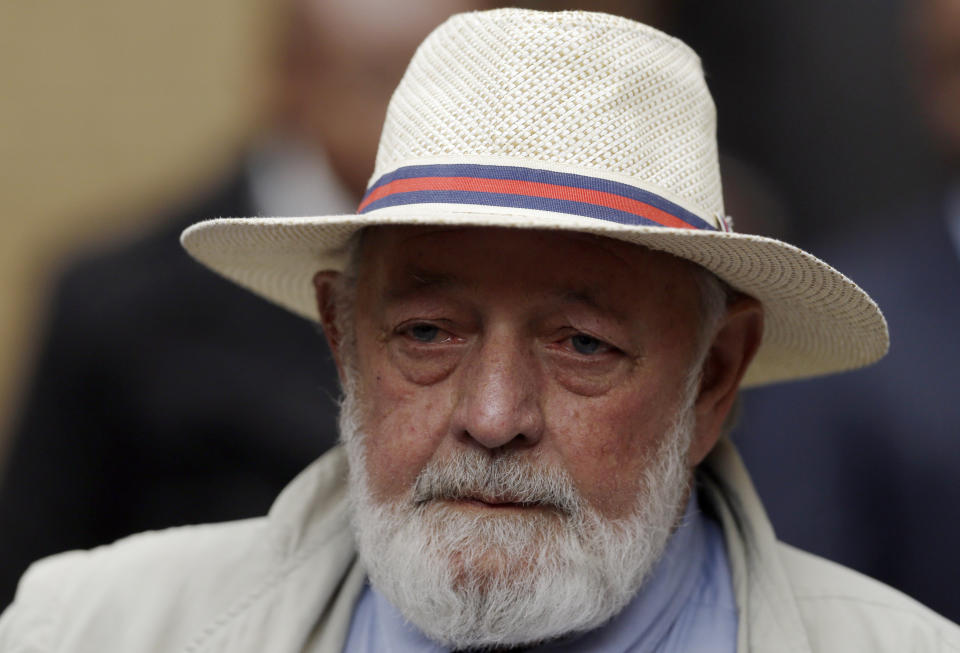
817	321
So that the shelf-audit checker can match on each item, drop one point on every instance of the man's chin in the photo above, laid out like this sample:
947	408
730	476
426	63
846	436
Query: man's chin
502	541
480	571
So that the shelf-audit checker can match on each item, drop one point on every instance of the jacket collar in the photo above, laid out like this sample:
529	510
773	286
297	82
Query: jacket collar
769	617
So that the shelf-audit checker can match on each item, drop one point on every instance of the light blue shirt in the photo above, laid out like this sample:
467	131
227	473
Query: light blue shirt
686	606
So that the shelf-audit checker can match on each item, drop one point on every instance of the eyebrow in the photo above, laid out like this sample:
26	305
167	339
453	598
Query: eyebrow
581	297
590	299
416	279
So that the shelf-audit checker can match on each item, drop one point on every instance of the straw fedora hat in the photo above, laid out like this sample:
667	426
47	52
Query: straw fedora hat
569	120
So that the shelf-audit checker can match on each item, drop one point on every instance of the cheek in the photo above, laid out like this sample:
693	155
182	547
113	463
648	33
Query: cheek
404	425
606	444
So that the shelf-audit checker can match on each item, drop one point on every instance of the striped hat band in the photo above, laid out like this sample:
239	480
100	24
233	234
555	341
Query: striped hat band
529	188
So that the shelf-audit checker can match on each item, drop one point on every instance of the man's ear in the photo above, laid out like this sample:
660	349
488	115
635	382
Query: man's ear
730	354
324	283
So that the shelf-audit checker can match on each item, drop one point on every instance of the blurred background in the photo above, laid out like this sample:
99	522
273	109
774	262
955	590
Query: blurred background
120	122
106	112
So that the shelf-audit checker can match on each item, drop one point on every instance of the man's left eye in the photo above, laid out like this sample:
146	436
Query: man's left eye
587	345
424	332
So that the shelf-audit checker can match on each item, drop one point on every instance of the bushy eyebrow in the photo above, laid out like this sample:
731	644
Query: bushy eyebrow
414	279
590	299
581	297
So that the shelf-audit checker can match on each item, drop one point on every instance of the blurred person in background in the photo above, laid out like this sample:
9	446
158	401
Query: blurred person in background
146	408
869	477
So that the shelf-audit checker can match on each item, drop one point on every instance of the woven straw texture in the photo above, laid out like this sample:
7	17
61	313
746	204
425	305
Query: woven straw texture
599	92
577	93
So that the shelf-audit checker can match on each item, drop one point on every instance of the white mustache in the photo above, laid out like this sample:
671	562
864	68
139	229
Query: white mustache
497	478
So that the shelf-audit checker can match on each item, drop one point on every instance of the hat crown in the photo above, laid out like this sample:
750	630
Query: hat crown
587	91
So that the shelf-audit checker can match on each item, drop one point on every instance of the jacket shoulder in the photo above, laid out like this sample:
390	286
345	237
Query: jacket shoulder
845	610
254	585
132	595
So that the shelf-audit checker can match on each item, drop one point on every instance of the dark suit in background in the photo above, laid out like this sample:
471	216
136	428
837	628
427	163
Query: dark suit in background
163	395
864	467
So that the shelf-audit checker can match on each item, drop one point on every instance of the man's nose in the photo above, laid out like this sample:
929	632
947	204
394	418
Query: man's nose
498	401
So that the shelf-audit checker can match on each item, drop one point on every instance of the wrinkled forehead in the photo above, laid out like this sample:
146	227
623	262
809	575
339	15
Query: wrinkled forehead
616	273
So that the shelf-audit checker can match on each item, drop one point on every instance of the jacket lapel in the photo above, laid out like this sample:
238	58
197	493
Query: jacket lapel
769	618
306	600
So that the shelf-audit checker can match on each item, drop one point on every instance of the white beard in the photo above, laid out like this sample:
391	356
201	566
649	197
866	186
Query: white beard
472	580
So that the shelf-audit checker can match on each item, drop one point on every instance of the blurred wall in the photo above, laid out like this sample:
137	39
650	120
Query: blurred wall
820	97
106	109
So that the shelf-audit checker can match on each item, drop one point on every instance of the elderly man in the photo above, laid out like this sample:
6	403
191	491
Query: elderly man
541	319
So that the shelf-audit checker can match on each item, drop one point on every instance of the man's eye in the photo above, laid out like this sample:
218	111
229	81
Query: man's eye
423	332
587	345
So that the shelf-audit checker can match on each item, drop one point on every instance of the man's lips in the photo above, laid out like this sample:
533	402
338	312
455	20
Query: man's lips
494	503
482	502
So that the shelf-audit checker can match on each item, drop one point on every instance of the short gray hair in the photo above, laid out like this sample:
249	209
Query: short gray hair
716	296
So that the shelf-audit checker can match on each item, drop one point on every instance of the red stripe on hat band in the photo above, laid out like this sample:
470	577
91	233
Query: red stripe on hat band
530	189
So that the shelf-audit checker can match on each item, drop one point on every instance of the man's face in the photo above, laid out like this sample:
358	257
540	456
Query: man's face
568	349
519	406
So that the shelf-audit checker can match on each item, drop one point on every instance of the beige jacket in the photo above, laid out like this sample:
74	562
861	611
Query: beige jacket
288	582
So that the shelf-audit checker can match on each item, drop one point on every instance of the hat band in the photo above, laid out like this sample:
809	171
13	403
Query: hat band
528	188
